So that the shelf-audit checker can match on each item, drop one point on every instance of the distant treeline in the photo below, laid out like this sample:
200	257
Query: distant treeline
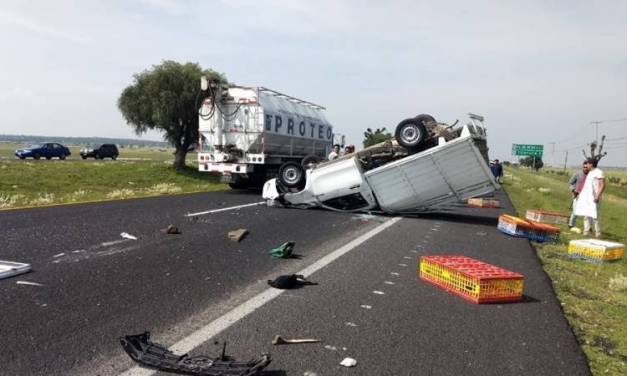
24	139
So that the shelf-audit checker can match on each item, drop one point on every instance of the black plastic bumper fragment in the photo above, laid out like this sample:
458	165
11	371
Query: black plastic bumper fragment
149	354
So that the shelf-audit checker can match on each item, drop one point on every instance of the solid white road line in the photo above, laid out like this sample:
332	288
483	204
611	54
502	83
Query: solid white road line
205	333
224	209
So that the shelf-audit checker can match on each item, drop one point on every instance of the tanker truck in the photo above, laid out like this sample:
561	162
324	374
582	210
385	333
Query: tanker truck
251	134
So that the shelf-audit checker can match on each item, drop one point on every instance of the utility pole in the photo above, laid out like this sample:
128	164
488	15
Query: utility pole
552	153
596	130
566	160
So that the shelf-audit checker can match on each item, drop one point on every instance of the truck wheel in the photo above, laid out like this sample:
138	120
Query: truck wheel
410	133
36	156
291	174
308	160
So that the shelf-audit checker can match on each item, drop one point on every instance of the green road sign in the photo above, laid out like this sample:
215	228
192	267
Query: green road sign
530	150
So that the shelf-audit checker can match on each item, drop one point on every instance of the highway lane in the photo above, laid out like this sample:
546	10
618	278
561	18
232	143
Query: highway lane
97	286
370	305
175	285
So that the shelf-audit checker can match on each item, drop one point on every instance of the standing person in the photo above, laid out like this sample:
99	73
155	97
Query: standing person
497	170
588	200
335	153
576	185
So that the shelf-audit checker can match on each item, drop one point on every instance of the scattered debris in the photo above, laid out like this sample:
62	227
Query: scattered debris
126	235
10	268
329	347
172	230
237	235
544	190
379	292
351	324
348	362
575	230
388	282
366	306
59	255
28	283
152	355
310	373
285	250
286	282
278	340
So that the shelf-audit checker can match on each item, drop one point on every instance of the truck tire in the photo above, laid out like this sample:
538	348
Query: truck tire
309	159
410	133
291	175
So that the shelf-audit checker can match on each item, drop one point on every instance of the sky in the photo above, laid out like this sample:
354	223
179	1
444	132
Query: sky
538	71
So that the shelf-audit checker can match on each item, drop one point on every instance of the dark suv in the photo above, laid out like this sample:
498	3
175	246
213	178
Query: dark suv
101	152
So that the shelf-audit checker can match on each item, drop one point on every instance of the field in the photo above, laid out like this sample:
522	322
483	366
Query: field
141	172
593	296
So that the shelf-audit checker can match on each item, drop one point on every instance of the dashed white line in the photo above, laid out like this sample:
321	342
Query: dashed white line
388	282
205	333
395	274
378	292
225	209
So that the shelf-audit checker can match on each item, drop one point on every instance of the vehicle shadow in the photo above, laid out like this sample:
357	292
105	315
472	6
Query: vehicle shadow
471	218
273	373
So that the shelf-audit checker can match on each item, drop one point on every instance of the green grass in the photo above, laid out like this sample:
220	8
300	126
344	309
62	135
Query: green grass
593	296
137	173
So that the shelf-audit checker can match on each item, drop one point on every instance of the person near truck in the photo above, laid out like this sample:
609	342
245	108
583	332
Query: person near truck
576	185
497	170
589	198
335	153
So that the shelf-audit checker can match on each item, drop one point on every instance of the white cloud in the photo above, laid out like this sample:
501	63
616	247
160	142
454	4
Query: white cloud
38	27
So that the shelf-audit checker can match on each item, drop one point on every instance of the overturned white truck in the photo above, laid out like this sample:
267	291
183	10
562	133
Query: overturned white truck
247	134
429	164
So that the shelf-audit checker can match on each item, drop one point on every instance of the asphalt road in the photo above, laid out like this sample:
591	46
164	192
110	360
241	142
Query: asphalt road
96	287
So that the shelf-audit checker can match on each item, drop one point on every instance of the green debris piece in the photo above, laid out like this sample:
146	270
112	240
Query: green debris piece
283	251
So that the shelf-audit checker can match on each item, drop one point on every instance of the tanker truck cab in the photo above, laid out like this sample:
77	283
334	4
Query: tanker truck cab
246	134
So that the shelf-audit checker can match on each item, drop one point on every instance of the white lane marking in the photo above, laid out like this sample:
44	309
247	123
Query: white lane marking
205	333
378	292
388	282
59	255
224	209
28	283
366	306
403	265
395	274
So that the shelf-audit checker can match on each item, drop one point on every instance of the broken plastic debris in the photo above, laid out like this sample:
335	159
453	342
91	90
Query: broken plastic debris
10	268
285	250
172	230
366	306
237	235
329	347
28	283
379	292
352	324
126	235
348	362
291	281
152	355
278	340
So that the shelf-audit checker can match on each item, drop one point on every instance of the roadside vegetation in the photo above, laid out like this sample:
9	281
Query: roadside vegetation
593	296
141	172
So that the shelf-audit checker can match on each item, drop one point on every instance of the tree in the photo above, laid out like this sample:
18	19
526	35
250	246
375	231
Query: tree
529	162
167	98
372	138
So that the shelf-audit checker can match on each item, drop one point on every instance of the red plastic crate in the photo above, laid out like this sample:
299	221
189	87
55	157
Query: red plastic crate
472	279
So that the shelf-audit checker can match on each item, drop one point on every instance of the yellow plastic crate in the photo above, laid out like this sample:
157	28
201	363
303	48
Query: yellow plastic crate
596	249
471	279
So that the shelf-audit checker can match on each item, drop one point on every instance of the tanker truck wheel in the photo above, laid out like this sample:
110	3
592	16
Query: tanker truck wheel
411	133
291	175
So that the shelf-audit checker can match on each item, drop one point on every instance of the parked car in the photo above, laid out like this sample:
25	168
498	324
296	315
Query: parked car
430	164
101	152
48	150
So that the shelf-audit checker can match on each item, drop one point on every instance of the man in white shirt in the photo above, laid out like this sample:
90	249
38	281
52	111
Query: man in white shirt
587	204
335	153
